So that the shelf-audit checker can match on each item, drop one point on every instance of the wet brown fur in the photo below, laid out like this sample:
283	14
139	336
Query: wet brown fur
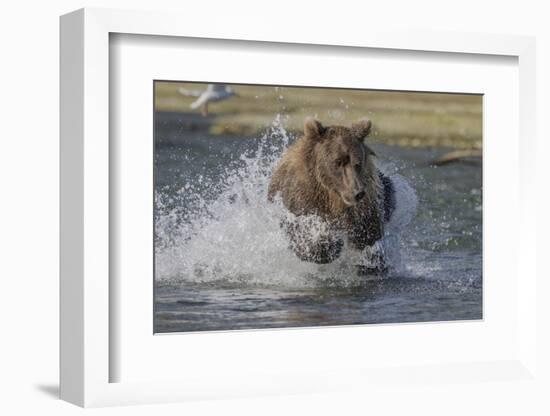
320	174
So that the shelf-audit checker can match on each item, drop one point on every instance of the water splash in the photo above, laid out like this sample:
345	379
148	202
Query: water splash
224	230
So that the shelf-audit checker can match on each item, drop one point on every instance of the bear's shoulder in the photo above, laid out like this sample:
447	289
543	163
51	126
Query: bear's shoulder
388	195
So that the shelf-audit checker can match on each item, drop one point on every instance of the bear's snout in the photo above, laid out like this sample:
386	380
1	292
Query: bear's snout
351	199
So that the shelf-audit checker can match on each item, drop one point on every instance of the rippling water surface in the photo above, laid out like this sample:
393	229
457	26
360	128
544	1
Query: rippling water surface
222	261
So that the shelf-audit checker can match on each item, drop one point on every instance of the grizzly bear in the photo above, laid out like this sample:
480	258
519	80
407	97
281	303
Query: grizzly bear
328	181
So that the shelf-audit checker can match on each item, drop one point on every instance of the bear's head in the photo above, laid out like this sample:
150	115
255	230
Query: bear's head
342	160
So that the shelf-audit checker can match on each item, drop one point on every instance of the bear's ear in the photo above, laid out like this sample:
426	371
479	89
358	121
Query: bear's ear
313	128
361	129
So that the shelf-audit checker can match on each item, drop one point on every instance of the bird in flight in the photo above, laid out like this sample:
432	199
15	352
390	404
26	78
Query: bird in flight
212	93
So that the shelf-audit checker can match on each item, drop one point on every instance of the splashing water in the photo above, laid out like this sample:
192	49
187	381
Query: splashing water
222	229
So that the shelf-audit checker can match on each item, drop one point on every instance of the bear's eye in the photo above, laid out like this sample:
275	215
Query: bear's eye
343	161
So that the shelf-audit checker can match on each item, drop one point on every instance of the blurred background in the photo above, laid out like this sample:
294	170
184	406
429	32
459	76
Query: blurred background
413	119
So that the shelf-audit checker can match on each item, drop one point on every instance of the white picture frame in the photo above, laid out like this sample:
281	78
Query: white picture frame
86	355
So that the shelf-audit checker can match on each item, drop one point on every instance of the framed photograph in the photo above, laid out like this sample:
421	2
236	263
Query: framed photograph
281	215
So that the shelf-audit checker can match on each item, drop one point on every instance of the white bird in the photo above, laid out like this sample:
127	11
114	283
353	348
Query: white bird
213	93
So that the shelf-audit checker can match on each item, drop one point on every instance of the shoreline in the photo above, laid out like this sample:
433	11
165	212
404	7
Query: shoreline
222	124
